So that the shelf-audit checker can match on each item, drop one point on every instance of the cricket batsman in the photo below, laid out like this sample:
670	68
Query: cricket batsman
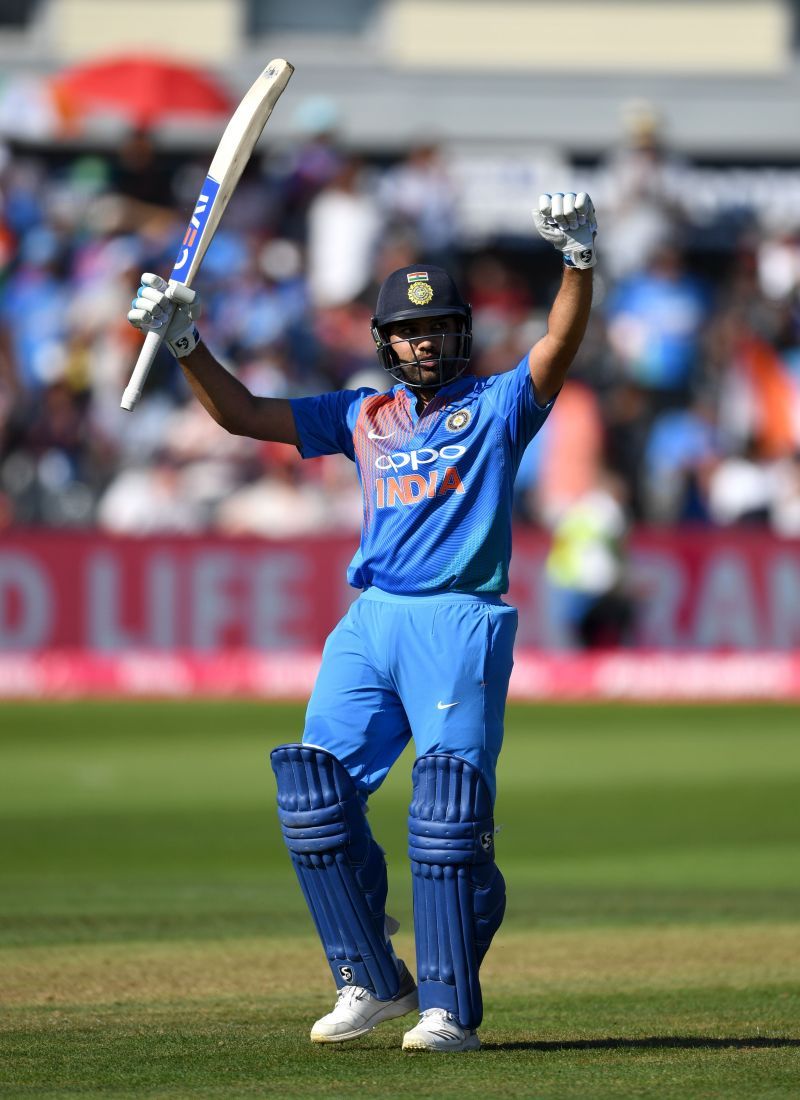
426	650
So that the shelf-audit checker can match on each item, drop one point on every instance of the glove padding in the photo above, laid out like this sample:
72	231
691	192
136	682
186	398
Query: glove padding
158	304
568	222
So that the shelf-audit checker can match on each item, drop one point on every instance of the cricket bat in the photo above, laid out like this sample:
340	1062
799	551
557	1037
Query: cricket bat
233	153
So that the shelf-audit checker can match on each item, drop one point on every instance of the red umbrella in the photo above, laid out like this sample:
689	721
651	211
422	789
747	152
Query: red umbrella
144	90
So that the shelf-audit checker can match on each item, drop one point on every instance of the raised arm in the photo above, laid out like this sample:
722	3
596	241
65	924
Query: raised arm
224	397
232	405
568	222
551	357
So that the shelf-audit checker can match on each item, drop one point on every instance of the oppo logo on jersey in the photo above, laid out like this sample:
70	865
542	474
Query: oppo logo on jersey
412	488
424	457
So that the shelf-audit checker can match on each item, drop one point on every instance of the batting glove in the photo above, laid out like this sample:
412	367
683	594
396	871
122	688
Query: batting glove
568	222
158	304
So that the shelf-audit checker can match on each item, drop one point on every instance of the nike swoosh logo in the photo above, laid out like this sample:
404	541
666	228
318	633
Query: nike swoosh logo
446	706
374	435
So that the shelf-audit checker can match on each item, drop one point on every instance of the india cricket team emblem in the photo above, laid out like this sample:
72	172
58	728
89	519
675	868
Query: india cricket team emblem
458	420
420	291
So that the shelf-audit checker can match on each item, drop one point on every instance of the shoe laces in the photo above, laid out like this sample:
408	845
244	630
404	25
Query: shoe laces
439	1014
349	993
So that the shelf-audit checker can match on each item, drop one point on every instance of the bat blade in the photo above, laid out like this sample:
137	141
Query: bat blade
233	152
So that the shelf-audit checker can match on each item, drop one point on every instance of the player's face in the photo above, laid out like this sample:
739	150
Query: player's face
421	342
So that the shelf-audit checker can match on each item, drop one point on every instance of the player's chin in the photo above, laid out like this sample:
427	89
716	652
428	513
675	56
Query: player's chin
420	376
429	370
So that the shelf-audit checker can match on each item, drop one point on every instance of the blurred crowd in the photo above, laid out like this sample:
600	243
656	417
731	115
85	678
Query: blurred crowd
683	406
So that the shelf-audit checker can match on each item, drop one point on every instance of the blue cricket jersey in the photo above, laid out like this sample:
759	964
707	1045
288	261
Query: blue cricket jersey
438	486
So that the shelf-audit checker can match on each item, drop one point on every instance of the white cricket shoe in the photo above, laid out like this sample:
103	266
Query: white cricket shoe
440	1030
358	1011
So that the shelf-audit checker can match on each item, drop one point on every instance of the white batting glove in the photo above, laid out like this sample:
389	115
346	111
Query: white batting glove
568	222
158	304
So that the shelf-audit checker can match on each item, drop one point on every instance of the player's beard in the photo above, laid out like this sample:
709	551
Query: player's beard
433	370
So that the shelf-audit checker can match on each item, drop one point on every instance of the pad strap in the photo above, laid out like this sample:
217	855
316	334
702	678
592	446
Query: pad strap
459	893
341	870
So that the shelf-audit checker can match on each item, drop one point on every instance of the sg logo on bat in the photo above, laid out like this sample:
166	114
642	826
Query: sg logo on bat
194	230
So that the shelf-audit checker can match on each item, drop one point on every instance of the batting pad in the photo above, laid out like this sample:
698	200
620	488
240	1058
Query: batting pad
341	869
459	893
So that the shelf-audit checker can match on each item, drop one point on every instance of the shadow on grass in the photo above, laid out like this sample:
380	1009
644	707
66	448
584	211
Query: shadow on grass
675	1042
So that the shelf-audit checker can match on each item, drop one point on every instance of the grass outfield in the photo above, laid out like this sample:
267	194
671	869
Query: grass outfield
153	941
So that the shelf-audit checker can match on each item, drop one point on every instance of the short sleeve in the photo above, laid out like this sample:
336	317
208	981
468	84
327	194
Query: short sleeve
325	423
514	398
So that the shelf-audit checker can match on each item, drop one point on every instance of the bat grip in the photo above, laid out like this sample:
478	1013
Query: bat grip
133	391
152	342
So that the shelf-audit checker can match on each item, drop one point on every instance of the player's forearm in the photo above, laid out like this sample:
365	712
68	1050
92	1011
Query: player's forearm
552	356
221	395
232	405
569	315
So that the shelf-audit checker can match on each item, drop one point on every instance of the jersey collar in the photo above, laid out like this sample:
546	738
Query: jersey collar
451	390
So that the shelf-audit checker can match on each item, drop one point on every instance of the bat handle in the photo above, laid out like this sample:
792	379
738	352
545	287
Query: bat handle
133	391
152	342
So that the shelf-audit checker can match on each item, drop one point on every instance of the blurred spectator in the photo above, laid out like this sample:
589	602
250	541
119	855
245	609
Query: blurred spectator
680	454
741	489
313	164
25	185
419	193
148	500
260	301
35	307
138	173
586	568
655	320
345	341
627	418
785	503
502	309
641	217
279	504
779	264
343	227
572	452
49	469
759	397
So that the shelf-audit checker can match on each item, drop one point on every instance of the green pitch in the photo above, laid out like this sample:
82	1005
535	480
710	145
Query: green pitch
154	942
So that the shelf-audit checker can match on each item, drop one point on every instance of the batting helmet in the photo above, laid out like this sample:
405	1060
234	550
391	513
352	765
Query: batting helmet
422	291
